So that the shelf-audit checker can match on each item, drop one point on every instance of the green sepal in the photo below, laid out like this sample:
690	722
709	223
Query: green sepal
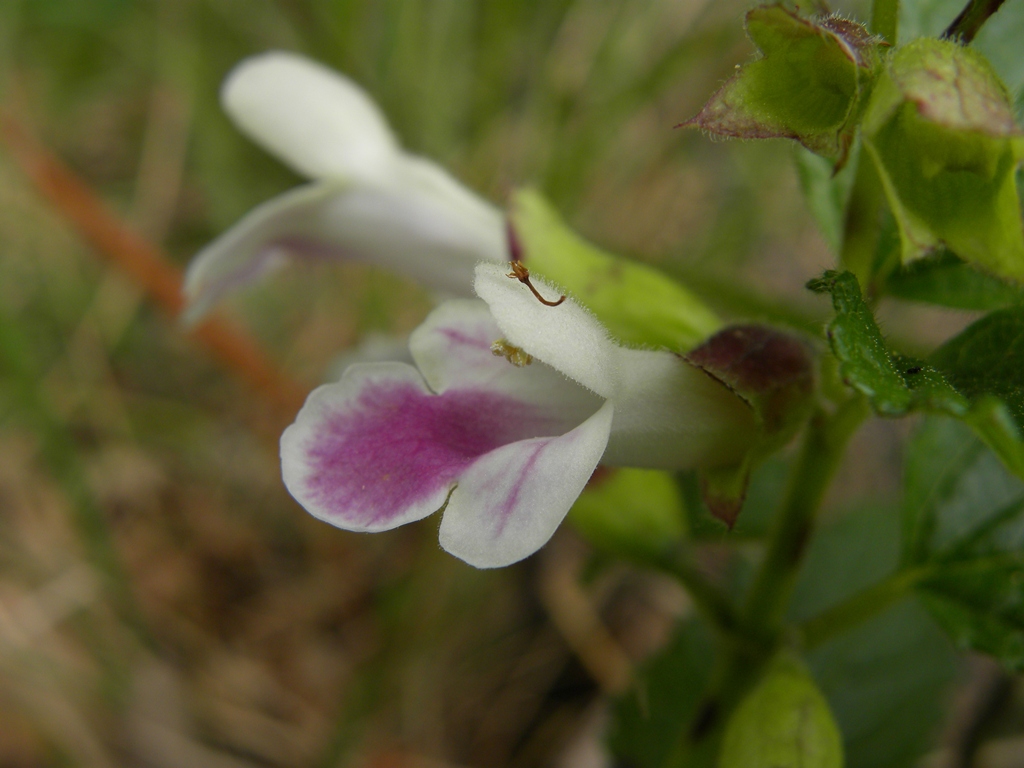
897	386
939	129
808	85
636	514
784	722
773	372
724	489
637	303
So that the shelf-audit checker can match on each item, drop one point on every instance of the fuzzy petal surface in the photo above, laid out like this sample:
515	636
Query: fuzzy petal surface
511	500
566	337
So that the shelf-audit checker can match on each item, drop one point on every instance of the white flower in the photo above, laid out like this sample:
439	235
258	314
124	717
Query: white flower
368	201
504	450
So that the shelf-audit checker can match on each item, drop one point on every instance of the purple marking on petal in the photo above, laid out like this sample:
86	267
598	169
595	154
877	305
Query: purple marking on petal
396	445
456	336
510	500
315	250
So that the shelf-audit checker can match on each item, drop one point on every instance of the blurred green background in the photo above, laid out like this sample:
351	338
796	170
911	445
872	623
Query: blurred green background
163	602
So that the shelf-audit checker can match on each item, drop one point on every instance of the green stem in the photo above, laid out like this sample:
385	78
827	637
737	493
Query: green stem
743	654
858	608
861	230
885	17
822	450
971	19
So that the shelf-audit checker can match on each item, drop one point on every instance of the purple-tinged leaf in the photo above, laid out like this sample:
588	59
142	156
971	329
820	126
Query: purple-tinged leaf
807	85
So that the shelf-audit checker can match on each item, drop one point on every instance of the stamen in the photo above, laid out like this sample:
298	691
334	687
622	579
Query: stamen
518	357
522	274
515	247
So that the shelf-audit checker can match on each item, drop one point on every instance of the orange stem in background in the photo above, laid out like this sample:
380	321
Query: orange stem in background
144	263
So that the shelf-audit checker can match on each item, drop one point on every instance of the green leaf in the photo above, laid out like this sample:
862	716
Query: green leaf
865	362
807	85
637	303
934	462
651	721
956	496
980	604
987	358
896	386
887	679
636	514
784	722
964	521
947	281
940	130
772	371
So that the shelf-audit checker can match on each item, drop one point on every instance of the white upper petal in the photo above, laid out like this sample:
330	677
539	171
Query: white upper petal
317	121
566	337
376	203
510	501
419	229
255	246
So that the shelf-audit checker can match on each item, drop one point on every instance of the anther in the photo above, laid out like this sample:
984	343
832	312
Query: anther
520	358
522	274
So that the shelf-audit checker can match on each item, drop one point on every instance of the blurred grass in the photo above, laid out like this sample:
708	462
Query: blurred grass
162	601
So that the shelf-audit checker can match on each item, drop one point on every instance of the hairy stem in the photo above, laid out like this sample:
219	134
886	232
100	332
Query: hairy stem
739	663
861	229
971	19
822	450
885	16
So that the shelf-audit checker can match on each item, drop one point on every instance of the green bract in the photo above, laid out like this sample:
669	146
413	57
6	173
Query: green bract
772	371
939	128
784	722
637	303
808	85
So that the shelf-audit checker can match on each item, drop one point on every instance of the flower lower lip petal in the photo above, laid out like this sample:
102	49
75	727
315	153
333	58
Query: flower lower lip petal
510	501
378	449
